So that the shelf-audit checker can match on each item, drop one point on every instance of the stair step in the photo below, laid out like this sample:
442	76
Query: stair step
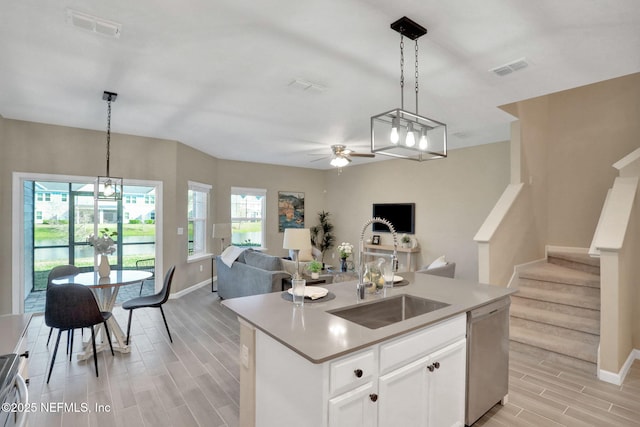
554	307
586	351
558	359
559	287
568	321
549	330
576	261
553	273
559	297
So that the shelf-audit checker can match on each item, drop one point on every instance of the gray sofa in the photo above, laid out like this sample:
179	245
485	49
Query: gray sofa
251	274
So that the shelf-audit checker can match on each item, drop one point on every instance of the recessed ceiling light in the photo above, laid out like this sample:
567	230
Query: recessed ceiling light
94	24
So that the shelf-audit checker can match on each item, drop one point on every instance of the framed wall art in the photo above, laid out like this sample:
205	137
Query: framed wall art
290	210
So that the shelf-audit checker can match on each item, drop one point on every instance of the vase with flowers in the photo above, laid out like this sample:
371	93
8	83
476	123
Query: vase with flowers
345	249
103	245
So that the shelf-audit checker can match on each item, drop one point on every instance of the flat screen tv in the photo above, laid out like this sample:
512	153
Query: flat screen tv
401	215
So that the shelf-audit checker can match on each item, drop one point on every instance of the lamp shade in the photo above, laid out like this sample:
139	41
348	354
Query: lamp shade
297	238
221	231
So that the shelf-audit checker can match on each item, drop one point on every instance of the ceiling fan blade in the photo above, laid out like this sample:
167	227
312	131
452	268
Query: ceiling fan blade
362	154
319	158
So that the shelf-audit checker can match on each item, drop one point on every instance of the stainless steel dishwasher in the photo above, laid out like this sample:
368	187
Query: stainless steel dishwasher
487	358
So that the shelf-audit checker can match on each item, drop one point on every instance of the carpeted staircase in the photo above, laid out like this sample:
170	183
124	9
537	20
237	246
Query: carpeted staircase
556	313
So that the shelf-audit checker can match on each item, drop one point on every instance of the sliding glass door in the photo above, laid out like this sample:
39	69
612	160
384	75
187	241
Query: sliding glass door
59	216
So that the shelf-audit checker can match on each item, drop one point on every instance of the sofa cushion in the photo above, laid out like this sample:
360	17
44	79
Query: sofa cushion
262	261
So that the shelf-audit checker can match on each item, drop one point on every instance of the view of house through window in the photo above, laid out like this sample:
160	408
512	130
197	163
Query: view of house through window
248	216
197	218
59	216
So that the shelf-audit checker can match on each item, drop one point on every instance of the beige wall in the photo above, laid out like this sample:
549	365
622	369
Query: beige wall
569	142
272	178
453	196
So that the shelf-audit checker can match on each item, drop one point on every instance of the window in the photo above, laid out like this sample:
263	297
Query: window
197	218
63	197
150	199
38	215
248	206
39	197
47	197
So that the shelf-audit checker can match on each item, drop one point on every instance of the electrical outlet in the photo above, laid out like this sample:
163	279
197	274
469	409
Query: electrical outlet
244	356
180	231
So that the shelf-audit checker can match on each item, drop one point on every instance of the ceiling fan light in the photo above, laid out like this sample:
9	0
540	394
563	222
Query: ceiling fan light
339	161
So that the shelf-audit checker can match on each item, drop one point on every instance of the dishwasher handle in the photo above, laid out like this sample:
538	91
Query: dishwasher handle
489	309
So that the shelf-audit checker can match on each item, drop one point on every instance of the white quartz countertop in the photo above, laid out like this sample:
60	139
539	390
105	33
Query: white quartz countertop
12	327
320	336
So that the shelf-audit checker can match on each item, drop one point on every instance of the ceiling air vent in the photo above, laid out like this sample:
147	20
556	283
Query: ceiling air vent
509	68
94	24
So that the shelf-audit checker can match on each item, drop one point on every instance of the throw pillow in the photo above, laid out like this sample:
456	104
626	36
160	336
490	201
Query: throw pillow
262	261
439	262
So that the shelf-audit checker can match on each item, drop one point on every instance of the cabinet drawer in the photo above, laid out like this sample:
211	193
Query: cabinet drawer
417	344
351	371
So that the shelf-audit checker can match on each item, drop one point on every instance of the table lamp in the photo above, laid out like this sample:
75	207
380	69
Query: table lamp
297	239
221	231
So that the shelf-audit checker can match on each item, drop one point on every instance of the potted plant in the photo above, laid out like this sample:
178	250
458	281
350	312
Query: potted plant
314	268
322	234
406	241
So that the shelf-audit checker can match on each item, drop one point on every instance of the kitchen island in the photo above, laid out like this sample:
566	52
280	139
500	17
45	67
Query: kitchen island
309	367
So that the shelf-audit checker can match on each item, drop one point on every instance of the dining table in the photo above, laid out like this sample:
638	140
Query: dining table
106	292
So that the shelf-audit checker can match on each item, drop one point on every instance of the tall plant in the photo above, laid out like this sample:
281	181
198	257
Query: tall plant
322	234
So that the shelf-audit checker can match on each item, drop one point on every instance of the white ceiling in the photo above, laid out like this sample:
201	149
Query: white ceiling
217	74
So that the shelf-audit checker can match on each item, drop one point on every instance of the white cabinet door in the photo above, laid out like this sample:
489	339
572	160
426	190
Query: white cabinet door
355	408
447	389
403	396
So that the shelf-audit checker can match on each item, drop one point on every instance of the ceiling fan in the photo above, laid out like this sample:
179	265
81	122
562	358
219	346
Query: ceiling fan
341	155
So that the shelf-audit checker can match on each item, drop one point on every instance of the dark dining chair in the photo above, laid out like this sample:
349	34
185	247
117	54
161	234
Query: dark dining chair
72	306
55	273
147	264
152	301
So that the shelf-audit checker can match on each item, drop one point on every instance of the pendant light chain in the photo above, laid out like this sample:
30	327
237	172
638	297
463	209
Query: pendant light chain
108	132
416	76
402	71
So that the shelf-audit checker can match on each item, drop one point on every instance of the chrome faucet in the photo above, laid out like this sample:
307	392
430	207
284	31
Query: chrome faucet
362	253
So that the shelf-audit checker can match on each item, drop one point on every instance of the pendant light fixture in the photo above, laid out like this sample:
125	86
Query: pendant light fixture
395	132
108	187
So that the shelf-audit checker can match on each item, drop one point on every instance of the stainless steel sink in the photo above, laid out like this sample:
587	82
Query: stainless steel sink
387	311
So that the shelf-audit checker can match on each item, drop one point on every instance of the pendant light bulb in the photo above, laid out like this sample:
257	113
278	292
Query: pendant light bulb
424	141
410	141
395	136
108	189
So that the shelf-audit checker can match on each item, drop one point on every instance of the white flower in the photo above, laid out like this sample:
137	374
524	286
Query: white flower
103	244
345	249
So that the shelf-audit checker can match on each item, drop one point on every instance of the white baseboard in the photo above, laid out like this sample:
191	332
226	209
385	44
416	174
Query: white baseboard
618	378
192	288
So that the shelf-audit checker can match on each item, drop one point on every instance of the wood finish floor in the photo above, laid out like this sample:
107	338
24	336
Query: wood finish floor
194	381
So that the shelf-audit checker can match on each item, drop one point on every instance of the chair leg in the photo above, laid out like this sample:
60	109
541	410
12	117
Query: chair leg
106	329
49	339
141	286
69	331
129	325
71	345
95	353
165	323
53	358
